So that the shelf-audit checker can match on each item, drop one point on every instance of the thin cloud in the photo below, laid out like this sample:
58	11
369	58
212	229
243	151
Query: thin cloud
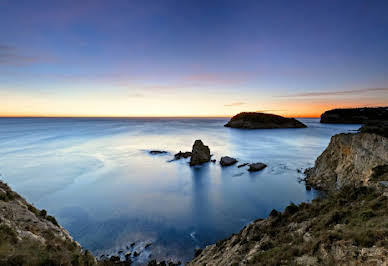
270	111
9	55
234	104
335	93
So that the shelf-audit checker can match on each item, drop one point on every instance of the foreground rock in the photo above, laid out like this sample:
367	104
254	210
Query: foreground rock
254	167
29	236
355	115
263	121
350	159
346	228
200	153
227	161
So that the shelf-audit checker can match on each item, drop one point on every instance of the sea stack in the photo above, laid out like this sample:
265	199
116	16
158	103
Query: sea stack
252	120
200	153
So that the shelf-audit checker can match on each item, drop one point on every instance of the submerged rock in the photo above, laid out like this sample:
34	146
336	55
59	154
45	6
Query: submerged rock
263	121
200	153
180	155
227	161
254	167
242	165
156	152
355	115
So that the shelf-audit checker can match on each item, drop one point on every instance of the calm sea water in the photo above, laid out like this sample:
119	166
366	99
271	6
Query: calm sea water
97	177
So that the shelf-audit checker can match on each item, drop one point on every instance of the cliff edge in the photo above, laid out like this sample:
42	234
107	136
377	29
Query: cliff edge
29	236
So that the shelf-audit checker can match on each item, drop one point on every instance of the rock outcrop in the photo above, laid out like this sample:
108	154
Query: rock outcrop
355	115
227	161
348	227
254	120
350	159
29	236
200	153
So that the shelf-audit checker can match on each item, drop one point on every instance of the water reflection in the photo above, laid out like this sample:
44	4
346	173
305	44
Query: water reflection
97	178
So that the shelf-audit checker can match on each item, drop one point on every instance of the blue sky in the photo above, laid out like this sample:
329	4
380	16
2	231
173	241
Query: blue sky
189	58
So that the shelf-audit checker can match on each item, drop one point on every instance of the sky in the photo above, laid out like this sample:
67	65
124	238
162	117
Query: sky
191	58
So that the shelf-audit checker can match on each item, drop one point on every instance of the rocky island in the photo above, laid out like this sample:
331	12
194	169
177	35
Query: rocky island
253	120
355	115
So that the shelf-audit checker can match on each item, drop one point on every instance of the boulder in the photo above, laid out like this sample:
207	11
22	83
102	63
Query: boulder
200	153
262	121
254	167
355	115
227	161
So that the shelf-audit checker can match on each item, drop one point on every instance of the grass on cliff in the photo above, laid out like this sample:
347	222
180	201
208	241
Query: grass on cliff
355	216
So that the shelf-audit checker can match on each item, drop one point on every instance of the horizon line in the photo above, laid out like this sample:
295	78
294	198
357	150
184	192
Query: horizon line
54	116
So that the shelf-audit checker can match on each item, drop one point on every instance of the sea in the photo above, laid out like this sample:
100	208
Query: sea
97	177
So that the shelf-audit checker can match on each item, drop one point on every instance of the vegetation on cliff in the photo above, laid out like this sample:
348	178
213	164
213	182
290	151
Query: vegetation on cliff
347	226
29	236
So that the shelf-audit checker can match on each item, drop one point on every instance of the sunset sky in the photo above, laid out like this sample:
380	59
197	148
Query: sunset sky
191	58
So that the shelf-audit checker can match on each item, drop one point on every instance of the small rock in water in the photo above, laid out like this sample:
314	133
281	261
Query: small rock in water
227	161
136	254
213	161
180	155
253	167
308	187
148	245
242	165
154	152
120	251
132	244
200	153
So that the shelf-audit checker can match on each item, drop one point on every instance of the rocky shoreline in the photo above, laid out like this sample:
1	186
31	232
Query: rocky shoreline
347	227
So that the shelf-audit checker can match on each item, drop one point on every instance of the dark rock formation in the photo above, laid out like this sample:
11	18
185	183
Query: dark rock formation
254	167
156	152
200	153
380	128
350	159
263	121
355	115
180	155
227	161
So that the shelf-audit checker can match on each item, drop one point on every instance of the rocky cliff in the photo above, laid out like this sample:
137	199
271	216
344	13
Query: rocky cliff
350	159
253	120
355	115
29	236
